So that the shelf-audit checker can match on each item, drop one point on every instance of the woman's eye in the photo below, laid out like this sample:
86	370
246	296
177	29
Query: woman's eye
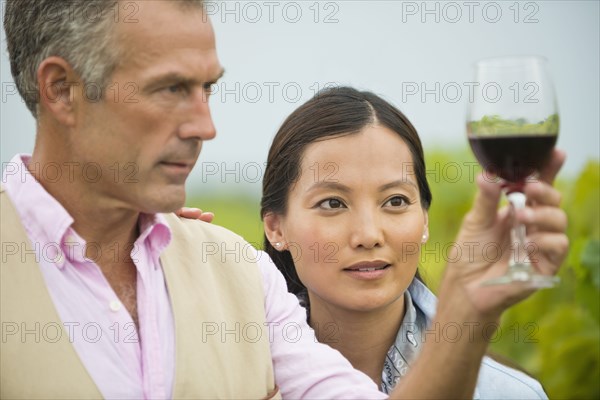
397	201
331	204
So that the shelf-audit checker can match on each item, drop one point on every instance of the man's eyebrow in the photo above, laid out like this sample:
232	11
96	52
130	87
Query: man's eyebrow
218	76
177	77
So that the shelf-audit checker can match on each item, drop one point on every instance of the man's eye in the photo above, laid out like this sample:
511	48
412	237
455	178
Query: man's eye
209	87
331	204
397	201
178	88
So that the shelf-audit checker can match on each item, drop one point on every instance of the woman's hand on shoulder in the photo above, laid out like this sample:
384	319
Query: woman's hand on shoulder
195	213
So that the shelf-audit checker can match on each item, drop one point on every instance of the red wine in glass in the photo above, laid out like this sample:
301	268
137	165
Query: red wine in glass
513	158
512	133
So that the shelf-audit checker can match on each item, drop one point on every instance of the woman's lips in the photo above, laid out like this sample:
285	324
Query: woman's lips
368	270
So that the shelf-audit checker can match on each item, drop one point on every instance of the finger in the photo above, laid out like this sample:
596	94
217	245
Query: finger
207	217
547	251
542	193
550	170
190	213
544	218
485	206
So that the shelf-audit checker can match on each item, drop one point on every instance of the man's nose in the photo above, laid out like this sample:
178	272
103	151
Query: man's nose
367	232
199	124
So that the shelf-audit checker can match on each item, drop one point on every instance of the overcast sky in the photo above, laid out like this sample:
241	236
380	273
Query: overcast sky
416	54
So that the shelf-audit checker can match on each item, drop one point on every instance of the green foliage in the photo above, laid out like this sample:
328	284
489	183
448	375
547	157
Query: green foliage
241	214
555	334
569	352
451	177
494	125
590	259
565	352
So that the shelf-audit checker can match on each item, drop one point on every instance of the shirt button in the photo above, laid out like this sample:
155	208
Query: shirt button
411	338
115	305
70	240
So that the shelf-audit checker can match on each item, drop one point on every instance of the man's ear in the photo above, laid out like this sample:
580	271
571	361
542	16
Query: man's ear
58	82
272	224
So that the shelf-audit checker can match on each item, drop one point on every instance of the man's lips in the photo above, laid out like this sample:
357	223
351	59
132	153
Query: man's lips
180	166
178	163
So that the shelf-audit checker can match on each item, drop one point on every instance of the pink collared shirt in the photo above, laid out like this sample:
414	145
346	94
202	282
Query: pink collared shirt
126	364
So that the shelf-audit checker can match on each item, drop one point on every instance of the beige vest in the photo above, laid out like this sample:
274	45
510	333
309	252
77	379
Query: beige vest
210	286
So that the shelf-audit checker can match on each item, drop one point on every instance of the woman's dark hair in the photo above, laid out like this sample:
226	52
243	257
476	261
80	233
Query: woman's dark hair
331	113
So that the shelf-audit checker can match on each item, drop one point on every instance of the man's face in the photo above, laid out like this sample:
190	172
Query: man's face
147	132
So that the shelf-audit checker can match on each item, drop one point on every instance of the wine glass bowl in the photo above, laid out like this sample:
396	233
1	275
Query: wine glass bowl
512	127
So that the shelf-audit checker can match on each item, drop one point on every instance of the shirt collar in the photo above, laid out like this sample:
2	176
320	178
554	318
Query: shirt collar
154	230
47	221
44	218
423	298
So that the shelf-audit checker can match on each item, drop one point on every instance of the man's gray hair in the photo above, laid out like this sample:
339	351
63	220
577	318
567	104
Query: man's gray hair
79	31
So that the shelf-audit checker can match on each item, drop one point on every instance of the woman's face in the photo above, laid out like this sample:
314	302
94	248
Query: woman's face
354	222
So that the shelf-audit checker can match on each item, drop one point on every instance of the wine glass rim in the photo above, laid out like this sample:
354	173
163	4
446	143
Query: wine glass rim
510	61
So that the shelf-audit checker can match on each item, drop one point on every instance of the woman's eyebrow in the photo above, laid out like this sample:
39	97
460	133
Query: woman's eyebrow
397	183
329	185
402	183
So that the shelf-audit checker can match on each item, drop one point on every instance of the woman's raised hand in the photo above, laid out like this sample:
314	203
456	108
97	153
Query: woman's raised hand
482	249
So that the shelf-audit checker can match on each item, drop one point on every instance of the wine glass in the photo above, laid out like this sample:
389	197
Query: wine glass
512	126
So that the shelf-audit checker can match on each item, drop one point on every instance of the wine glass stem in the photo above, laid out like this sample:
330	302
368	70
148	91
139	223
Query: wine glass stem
520	265
518	238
